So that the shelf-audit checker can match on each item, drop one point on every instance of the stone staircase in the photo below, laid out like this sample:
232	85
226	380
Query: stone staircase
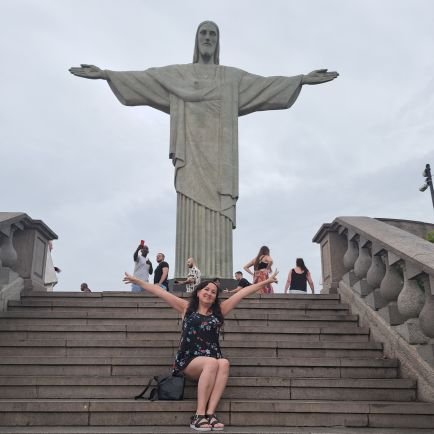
71	362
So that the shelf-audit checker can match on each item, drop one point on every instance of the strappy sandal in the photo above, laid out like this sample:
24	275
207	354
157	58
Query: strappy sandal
198	421
213	421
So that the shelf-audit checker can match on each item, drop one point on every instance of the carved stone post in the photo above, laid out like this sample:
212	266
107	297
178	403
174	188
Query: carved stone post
390	288
352	252
361	267
426	321
426	316
8	256
410	303
374	277
350	259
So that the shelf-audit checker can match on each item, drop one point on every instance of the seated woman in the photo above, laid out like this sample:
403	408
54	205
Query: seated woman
298	278
261	269
199	356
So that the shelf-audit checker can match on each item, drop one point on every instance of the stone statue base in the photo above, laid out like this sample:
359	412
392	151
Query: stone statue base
205	236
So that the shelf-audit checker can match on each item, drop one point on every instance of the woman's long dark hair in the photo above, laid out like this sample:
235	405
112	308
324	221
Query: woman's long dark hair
194	302
263	251
300	263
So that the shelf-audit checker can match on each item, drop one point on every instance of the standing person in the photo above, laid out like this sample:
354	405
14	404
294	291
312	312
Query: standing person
204	100
142	266
261	268
162	272
199	356
242	282
298	277
193	276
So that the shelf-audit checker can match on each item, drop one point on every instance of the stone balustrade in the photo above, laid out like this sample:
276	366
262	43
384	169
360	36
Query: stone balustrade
385	270
23	253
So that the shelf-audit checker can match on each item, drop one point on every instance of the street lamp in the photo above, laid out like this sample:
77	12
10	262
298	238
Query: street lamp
428	182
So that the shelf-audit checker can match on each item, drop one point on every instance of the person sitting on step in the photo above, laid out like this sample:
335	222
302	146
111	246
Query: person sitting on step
199	356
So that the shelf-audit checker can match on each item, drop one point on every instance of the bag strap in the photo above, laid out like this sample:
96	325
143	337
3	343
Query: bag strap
141	395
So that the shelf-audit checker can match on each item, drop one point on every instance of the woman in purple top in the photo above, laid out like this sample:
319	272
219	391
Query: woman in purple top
199	356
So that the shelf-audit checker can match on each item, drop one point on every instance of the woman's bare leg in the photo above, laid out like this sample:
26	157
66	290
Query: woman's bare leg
203	369
219	387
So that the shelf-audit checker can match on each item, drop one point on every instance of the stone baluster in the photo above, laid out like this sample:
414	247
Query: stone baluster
352	252
8	254
374	277
390	287
410	303
426	316
426	321
361	267
350	259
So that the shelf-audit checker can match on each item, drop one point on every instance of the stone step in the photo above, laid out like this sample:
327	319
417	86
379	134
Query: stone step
125	295
104	333
291	413
277	388
146	303
315	311
142	348
246	318
243	366
187	430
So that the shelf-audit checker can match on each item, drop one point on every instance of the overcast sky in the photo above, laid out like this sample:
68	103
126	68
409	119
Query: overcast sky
98	172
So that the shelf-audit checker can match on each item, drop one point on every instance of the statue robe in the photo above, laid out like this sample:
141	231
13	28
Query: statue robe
204	102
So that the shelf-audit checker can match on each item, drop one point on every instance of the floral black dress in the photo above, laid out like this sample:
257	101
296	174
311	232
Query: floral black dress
200	337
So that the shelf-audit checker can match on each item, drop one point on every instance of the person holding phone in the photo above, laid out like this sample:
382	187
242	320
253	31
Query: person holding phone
142	266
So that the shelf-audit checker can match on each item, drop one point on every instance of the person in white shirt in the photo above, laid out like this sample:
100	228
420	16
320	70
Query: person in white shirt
142	266
193	276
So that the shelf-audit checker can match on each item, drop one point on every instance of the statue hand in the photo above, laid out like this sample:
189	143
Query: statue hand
88	71
319	76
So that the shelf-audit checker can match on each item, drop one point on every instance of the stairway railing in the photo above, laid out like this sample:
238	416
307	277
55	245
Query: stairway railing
387	275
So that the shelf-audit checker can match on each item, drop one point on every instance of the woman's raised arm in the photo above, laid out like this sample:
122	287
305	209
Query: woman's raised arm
229	304
172	300
246	267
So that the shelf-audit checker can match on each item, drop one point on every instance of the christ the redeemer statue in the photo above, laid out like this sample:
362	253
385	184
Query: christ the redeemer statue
204	101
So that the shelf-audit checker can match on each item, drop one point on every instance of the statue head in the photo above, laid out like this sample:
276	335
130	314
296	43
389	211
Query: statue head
208	47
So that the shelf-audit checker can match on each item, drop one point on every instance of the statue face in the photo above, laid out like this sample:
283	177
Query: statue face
207	39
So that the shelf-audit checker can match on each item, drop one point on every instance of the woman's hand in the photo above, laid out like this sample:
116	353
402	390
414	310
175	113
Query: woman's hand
128	278
272	278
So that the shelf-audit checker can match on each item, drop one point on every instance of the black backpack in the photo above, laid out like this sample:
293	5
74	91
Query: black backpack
168	388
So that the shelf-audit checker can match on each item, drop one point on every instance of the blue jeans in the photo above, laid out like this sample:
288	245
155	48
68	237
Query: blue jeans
136	288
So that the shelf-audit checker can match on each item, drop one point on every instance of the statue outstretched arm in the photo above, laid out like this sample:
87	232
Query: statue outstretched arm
319	76
88	71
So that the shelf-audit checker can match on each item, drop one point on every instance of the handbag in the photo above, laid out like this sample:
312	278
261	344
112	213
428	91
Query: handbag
168	388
